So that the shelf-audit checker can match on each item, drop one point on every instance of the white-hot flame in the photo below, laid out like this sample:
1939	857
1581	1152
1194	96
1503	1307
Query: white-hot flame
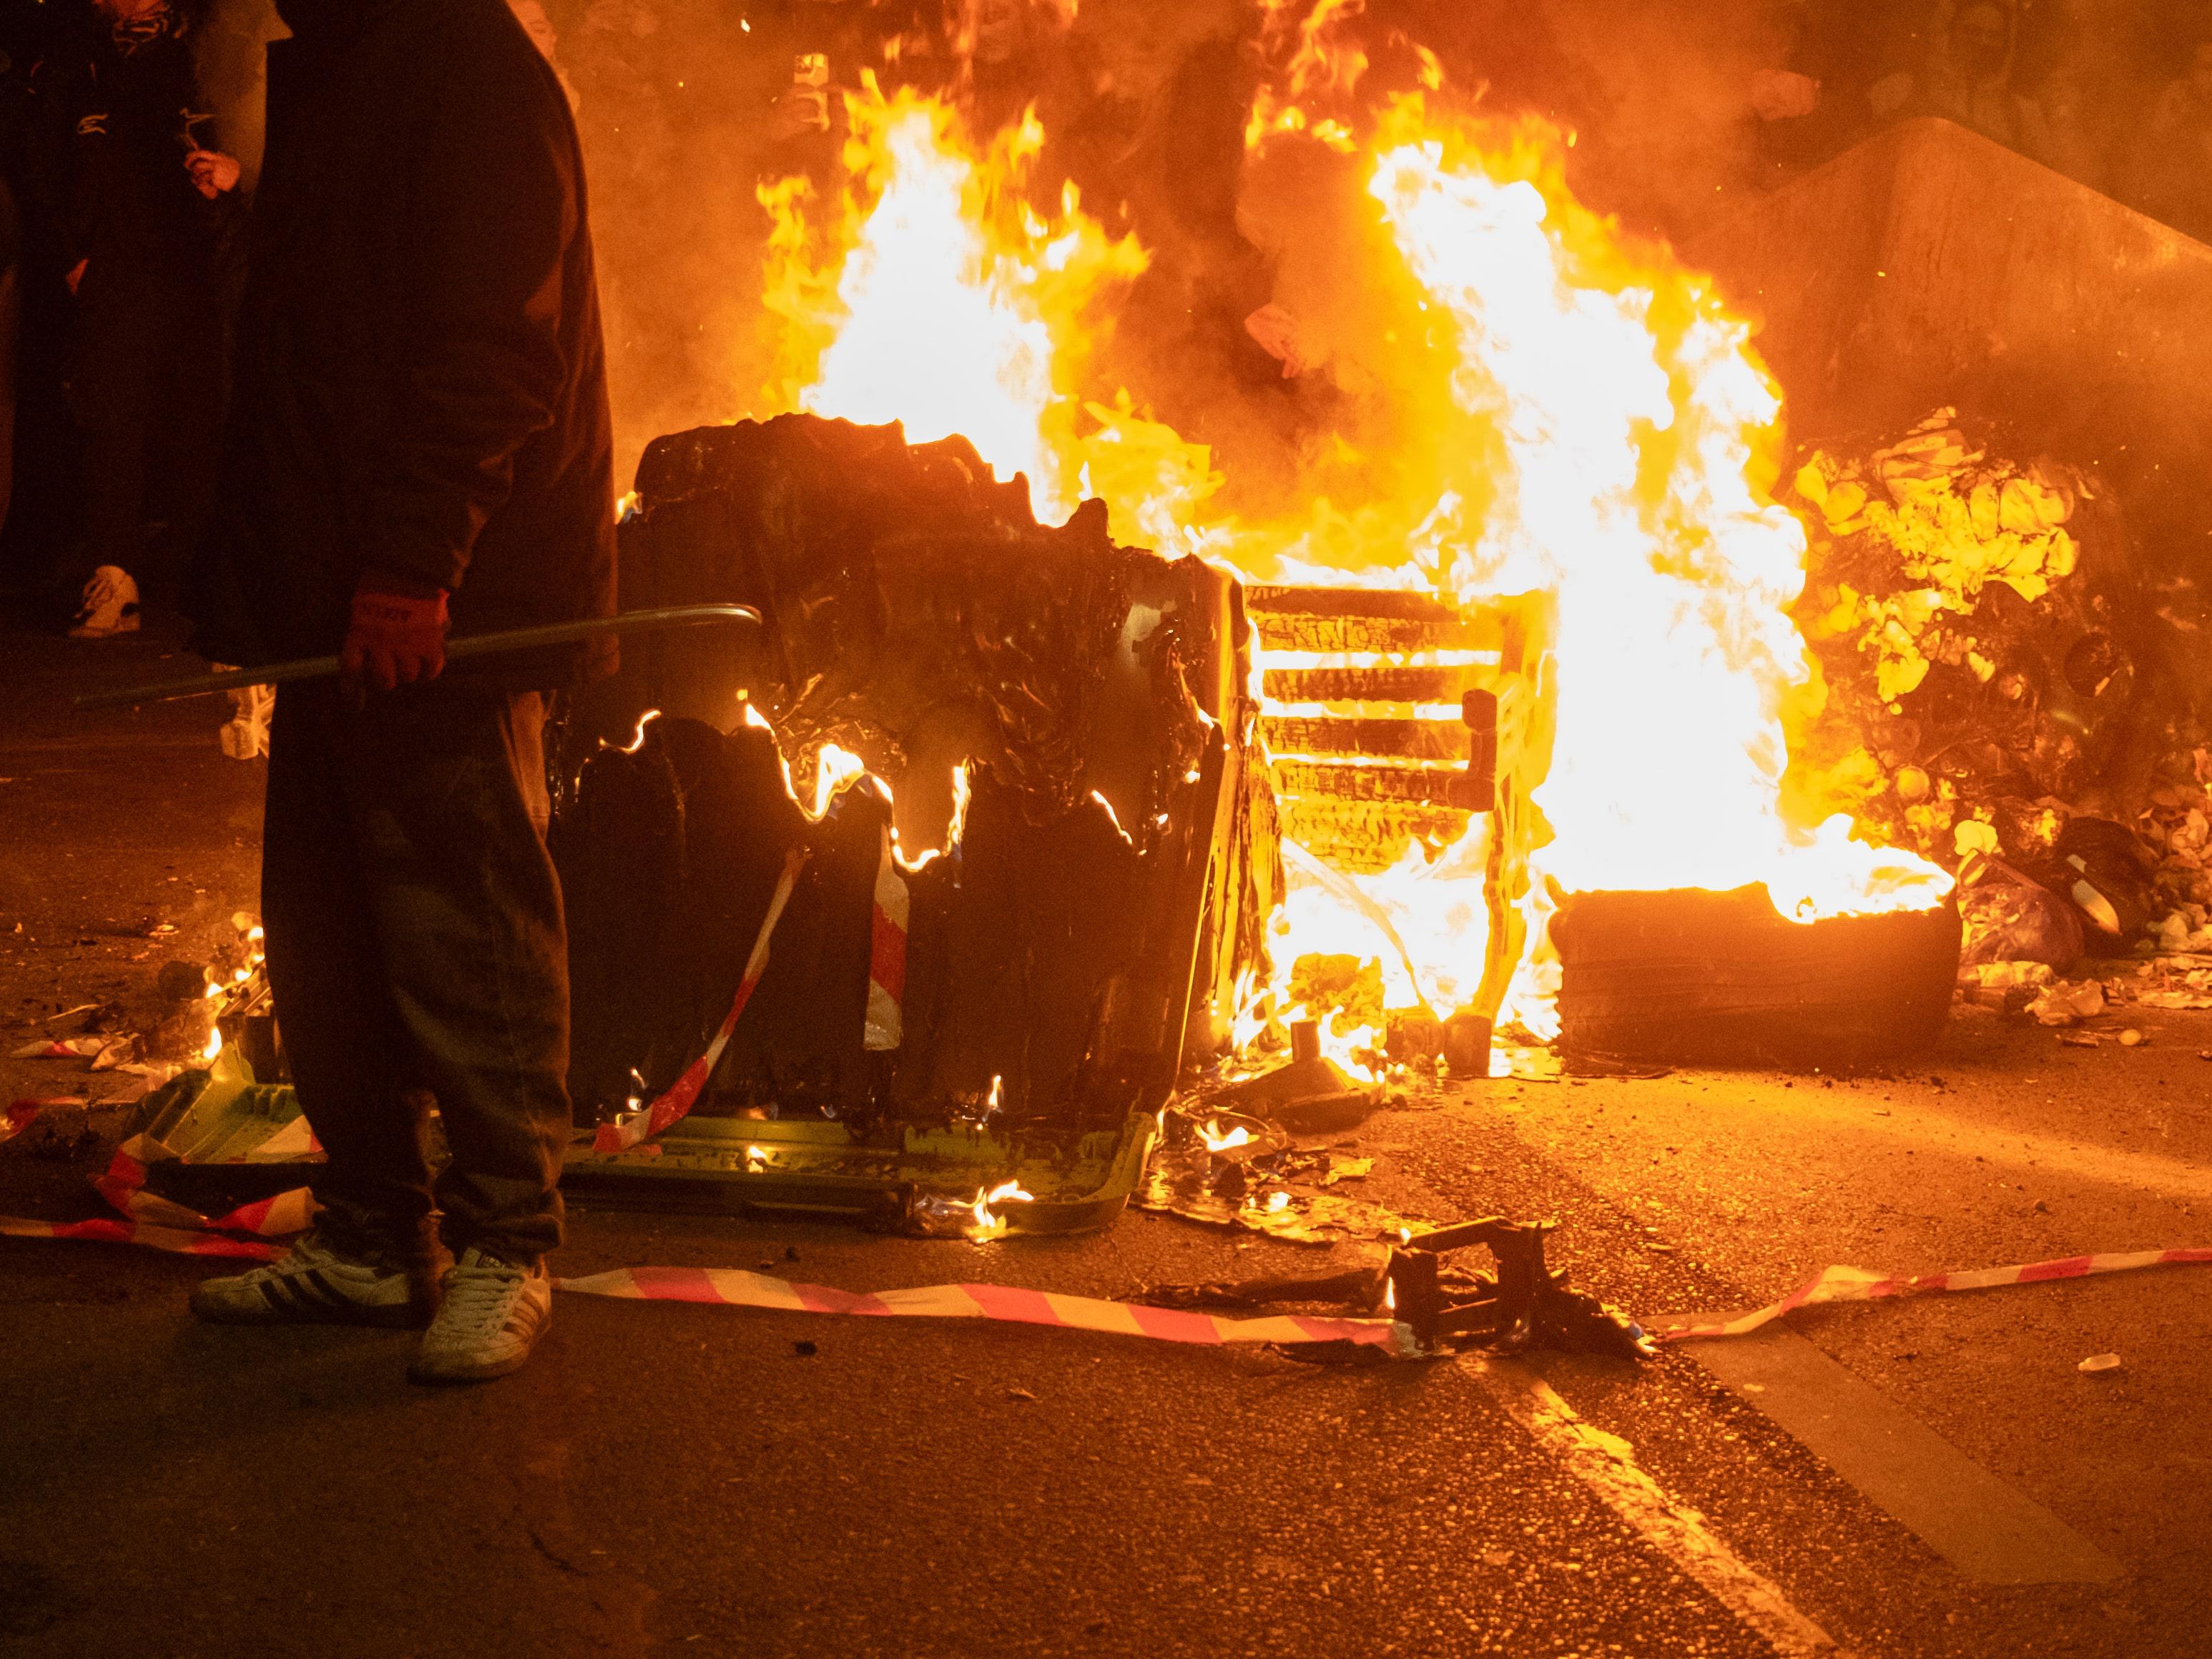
1591	425
989	1224
1219	1140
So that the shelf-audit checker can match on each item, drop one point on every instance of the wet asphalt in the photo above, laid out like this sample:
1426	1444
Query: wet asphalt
668	1479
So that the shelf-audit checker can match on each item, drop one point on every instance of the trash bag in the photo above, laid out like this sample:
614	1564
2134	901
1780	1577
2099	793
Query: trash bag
2012	917
2105	871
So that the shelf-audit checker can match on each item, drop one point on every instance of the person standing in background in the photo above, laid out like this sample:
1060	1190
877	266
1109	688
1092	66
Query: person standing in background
149	198
1969	78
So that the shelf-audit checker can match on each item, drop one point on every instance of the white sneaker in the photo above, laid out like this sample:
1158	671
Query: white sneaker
493	1314
312	1284
111	605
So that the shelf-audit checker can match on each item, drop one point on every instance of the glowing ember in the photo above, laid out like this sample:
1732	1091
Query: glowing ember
989	1224
1218	1140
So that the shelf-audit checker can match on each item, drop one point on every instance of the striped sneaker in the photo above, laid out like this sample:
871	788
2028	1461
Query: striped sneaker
493	1314
313	1284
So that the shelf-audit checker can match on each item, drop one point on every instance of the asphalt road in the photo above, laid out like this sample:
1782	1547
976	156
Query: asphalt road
671	1479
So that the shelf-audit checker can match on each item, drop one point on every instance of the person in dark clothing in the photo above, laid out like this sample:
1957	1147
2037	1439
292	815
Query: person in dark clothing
42	509
421	431
149	198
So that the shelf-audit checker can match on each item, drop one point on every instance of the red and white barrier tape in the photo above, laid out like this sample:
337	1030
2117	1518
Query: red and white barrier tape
885	1027
178	1240
681	1095
732	1287
1857	1284
163	1224
22	1114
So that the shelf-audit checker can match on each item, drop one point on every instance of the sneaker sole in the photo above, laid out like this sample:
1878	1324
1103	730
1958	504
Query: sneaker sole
404	1318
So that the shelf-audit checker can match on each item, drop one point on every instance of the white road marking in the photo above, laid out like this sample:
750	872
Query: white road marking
1989	1530
1607	1465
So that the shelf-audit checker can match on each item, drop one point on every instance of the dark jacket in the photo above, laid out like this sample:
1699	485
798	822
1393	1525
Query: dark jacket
135	110
420	381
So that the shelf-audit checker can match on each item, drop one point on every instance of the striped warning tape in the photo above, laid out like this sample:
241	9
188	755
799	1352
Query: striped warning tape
681	1095
885	1027
21	1115
250	1230
734	1288
181	1240
1857	1284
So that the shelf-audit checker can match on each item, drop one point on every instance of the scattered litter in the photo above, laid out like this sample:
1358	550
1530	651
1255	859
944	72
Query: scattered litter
2012	920
804	1349
246	734
1021	1394
110	605
1307	1094
1225	1170
60	1048
2131	1039
2065	1003
2097	1364
2007	976
116	1051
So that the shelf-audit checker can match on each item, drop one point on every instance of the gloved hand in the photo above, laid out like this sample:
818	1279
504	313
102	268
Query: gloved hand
397	635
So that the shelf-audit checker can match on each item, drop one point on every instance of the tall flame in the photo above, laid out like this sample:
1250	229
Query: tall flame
952	296
1568	412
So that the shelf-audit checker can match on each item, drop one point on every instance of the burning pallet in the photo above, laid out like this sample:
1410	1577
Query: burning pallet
1354	683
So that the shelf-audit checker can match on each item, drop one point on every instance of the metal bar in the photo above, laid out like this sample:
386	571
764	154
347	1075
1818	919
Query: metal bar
1401	603
473	645
1367	837
1393	635
1433	740
1409	785
1364	684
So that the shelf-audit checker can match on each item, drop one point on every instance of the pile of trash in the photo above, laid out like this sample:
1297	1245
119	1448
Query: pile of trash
1975	624
1995	693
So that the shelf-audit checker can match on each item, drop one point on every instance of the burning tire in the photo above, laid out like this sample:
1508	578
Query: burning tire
1701	978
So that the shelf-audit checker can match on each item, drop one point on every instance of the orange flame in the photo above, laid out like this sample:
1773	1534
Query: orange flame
1565	410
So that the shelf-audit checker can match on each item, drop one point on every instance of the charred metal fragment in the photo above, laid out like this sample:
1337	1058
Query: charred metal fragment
1521	1304
1055	733
1524	1304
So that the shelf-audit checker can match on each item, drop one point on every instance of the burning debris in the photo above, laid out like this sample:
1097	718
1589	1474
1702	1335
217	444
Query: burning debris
1032	846
1648	668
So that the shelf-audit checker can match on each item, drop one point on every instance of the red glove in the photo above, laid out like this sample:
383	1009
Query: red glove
397	635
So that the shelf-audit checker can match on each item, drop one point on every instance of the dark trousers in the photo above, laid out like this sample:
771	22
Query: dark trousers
146	386
416	942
